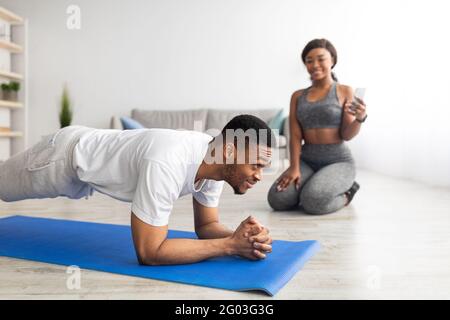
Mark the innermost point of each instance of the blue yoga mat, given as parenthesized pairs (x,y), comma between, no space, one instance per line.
(109,248)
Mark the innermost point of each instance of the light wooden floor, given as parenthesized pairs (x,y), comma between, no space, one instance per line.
(392,242)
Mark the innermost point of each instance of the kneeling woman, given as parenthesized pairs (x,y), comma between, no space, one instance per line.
(321,175)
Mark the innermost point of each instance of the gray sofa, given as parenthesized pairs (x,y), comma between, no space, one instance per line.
(210,121)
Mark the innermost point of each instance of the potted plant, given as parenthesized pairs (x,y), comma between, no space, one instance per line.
(5,91)
(14,88)
(65,114)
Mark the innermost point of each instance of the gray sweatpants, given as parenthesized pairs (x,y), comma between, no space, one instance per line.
(327,172)
(45,170)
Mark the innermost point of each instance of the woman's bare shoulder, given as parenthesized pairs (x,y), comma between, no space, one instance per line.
(345,89)
(298,93)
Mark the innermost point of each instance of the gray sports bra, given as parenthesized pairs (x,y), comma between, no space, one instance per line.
(324,113)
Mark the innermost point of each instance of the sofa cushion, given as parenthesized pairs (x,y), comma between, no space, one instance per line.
(129,124)
(276,123)
(217,119)
(115,123)
(176,119)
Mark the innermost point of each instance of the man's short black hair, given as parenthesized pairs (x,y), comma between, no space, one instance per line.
(247,122)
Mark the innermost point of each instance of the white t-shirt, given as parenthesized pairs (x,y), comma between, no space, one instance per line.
(149,167)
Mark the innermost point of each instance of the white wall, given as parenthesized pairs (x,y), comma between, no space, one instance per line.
(179,54)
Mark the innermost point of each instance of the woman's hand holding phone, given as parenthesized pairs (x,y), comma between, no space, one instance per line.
(357,107)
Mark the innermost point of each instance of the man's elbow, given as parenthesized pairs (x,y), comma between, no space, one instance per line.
(148,259)
(200,234)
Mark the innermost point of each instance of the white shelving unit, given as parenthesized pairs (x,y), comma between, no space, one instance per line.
(13,67)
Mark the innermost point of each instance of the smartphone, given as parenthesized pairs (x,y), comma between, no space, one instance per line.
(359,93)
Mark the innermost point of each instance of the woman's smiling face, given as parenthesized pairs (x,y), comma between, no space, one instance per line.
(319,63)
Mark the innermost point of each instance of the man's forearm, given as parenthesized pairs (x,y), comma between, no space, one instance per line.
(214,230)
(181,251)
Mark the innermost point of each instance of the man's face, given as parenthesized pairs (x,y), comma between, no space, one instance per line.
(242,176)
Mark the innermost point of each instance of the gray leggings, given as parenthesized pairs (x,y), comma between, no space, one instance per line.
(327,172)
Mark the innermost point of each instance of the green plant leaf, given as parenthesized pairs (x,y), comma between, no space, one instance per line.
(65,114)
